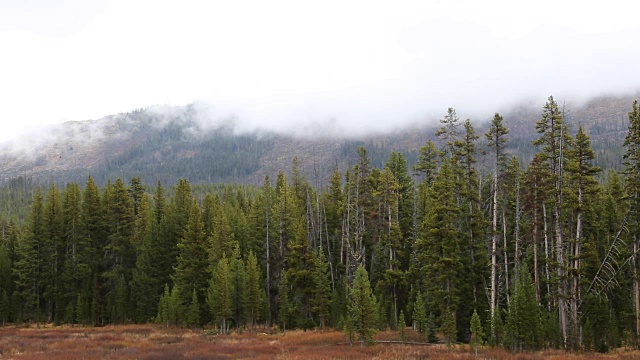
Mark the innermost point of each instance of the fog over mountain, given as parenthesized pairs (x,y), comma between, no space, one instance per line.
(298,67)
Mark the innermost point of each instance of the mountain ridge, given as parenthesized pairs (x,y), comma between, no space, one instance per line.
(166,143)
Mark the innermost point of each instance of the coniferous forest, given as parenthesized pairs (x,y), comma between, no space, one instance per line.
(524,256)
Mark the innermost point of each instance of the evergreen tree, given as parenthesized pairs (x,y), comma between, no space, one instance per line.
(119,258)
(254,290)
(477,333)
(523,317)
(192,270)
(30,263)
(420,320)
(402,327)
(553,142)
(581,175)
(168,307)
(239,293)
(497,143)
(362,307)
(284,307)
(220,294)
(632,187)
(448,327)
(438,250)
(193,313)
(321,288)
(94,233)
(53,252)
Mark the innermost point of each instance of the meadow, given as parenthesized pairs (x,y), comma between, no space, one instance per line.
(157,342)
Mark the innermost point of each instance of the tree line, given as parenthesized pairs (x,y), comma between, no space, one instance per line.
(524,257)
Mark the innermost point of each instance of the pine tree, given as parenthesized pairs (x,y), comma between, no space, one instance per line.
(31,259)
(222,240)
(146,283)
(192,269)
(254,290)
(168,307)
(284,306)
(420,317)
(497,143)
(321,288)
(523,317)
(553,141)
(449,132)
(136,191)
(239,293)
(402,327)
(438,250)
(632,186)
(54,251)
(94,234)
(119,252)
(193,312)
(448,327)
(362,307)
(581,175)
(220,294)
(477,333)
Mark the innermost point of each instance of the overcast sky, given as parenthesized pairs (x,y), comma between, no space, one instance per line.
(278,64)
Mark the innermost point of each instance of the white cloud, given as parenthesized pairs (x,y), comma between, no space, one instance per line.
(278,64)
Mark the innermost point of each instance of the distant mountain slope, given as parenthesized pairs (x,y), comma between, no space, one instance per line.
(166,143)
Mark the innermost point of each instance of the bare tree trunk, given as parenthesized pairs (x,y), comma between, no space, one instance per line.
(505,254)
(562,293)
(494,246)
(575,296)
(546,255)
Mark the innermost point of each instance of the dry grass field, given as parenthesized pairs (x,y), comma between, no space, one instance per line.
(156,342)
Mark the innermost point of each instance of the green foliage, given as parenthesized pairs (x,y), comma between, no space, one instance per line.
(296,253)
(420,317)
(255,293)
(192,269)
(448,327)
(284,306)
(322,288)
(402,327)
(477,332)
(193,312)
(169,307)
(363,307)
(523,317)
(220,294)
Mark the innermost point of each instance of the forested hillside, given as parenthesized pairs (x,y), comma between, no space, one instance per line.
(470,242)
(166,143)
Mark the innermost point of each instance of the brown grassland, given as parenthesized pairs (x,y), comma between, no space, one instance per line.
(157,342)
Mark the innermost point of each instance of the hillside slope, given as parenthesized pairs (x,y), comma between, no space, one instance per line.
(166,143)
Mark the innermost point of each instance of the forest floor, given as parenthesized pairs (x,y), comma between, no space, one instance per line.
(157,342)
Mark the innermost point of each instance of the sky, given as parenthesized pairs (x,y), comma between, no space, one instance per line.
(352,65)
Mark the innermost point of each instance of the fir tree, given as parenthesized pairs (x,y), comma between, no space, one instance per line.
(420,317)
(523,317)
(402,327)
(193,312)
(192,271)
(321,289)
(220,294)
(448,327)
(363,307)
(284,307)
(255,293)
(477,333)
